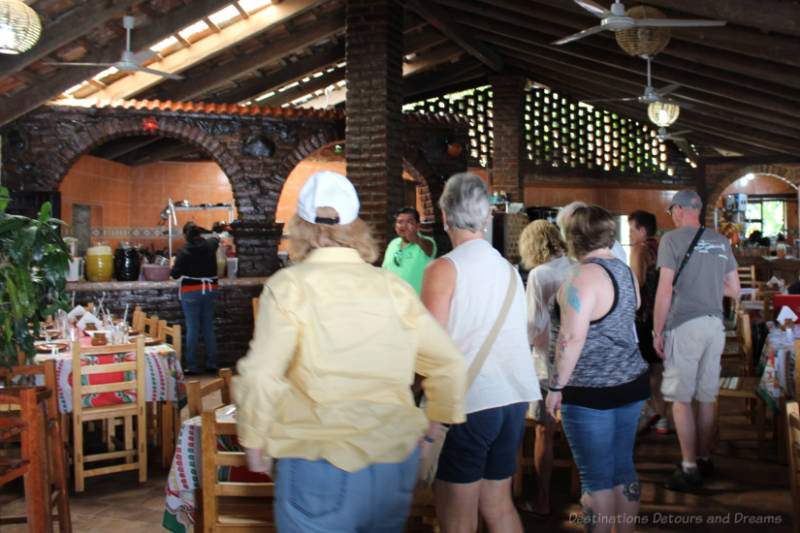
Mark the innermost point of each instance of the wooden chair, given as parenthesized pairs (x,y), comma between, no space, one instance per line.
(51,447)
(150,327)
(747,276)
(196,391)
(562,457)
(737,355)
(137,319)
(134,452)
(793,449)
(231,506)
(755,409)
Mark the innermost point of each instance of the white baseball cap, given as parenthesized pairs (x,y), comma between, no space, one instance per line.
(328,189)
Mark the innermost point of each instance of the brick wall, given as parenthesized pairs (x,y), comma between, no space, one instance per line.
(374,50)
(508,136)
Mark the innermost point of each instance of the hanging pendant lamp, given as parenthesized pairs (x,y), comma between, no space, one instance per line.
(19,27)
(663,114)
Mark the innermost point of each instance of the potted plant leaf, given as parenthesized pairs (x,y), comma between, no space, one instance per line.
(34,261)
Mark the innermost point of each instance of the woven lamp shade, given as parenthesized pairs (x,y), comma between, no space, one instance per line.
(641,40)
(19,27)
(663,114)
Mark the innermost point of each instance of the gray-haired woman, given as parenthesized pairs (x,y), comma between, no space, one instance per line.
(465,290)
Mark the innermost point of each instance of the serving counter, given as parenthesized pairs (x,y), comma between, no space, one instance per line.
(233,322)
(787,268)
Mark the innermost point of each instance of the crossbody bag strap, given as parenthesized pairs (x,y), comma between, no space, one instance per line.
(688,254)
(477,363)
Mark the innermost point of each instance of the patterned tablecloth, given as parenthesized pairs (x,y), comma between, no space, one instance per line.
(164,377)
(777,371)
(185,474)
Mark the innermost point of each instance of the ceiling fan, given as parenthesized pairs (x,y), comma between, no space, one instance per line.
(615,20)
(650,94)
(676,137)
(129,62)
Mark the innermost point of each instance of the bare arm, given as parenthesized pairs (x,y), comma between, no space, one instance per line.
(638,264)
(438,285)
(577,299)
(661,308)
(731,285)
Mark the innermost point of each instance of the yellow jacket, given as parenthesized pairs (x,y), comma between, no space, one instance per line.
(334,352)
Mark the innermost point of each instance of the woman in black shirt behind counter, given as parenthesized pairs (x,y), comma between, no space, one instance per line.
(196,269)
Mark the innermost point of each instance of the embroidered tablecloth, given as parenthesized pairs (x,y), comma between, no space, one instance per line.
(185,474)
(164,377)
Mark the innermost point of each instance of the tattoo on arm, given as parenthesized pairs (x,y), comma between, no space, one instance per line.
(554,379)
(562,342)
(572,298)
(632,491)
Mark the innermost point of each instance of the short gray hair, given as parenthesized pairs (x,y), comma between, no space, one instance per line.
(566,211)
(465,201)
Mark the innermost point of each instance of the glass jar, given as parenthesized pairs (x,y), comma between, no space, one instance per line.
(99,263)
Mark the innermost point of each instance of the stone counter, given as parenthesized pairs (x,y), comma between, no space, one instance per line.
(234,318)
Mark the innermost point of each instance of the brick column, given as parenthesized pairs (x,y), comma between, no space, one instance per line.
(508,102)
(374,124)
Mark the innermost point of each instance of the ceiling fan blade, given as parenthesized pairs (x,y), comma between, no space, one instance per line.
(68,64)
(159,73)
(579,35)
(594,100)
(142,56)
(594,8)
(684,146)
(667,89)
(677,23)
(680,132)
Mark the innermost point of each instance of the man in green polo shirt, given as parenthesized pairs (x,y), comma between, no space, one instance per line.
(409,253)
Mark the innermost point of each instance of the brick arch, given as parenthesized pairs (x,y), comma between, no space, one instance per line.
(789,175)
(88,138)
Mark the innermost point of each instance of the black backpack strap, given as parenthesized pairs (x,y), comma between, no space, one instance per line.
(688,254)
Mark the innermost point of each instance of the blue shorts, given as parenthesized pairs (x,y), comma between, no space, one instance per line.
(601,441)
(483,447)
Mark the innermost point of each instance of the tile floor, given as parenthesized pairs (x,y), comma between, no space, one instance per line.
(744,492)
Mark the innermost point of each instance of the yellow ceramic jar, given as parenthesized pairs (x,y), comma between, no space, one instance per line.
(99,263)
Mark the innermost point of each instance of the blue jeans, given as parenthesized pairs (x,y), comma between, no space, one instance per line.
(601,441)
(199,310)
(317,497)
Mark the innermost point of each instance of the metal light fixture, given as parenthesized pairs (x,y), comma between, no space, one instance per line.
(663,114)
(19,27)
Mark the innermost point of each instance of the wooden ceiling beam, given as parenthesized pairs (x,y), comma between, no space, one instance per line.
(114,150)
(301,38)
(319,59)
(436,80)
(495,33)
(208,47)
(765,15)
(547,24)
(72,24)
(170,148)
(441,21)
(702,88)
(143,37)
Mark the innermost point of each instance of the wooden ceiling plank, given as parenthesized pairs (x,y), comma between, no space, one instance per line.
(692,85)
(208,47)
(437,56)
(154,155)
(436,80)
(248,89)
(329,78)
(65,29)
(440,20)
(305,36)
(143,37)
(499,22)
(765,15)
(117,149)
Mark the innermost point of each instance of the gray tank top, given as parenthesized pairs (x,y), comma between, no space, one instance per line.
(610,355)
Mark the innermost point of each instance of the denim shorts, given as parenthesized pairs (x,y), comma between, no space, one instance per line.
(601,441)
(318,497)
(483,447)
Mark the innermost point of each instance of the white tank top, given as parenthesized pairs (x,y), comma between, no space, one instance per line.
(507,376)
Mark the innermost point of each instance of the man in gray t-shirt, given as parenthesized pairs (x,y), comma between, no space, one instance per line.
(688,332)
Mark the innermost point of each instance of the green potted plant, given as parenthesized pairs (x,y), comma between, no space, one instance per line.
(34,261)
